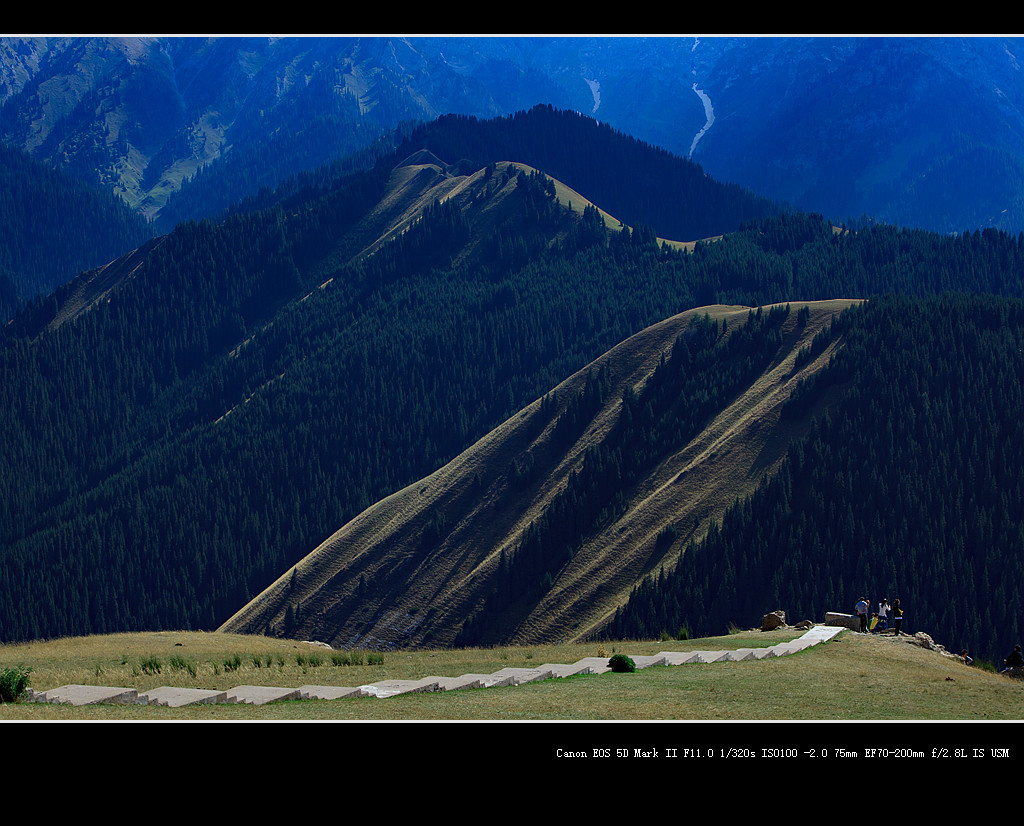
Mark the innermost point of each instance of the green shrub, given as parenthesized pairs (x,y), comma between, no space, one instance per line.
(621,664)
(13,682)
(233,663)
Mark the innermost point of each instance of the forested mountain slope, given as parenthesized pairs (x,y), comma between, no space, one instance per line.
(910,488)
(184,424)
(175,438)
(538,531)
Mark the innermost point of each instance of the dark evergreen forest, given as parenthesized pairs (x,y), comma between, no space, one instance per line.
(52,227)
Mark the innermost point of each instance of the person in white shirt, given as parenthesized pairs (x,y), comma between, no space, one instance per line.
(883,614)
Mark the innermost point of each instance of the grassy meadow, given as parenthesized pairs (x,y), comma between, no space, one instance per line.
(853,677)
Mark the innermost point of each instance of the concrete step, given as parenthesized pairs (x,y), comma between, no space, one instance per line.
(524,675)
(83,695)
(741,654)
(648,660)
(175,697)
(389,688)
(709,656)
(596,665)
(490,680)
(458,683)
(329,692)
(558,670)
(259,695)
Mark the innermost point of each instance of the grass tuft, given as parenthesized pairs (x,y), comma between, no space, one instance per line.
(150,665)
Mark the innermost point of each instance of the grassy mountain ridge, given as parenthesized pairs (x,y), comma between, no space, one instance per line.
(415,566)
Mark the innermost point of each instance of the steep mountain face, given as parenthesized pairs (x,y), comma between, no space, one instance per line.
(886,127)
(539,531)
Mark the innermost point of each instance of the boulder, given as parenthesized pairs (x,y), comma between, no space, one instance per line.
(925,641)
(776,619)
(850,621)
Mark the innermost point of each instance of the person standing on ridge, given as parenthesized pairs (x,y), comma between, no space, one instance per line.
(897,617)
(883,614)
(862,613)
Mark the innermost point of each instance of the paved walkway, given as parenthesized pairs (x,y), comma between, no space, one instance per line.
(258,695)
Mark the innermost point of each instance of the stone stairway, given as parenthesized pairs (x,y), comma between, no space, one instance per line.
(174,697)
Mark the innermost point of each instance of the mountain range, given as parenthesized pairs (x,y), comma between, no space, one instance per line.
(181,127)
(490,379)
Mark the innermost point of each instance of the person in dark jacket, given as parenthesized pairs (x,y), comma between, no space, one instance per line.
(1015,660)
(897,617)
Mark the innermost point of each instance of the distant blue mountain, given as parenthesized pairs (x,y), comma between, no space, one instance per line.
(920,131)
